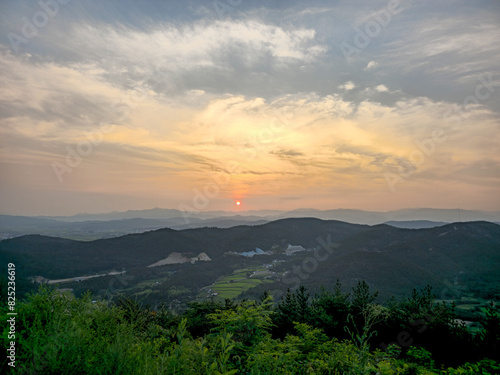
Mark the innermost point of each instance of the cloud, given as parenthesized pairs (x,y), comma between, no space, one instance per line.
(371,65)
(377,158)
(444,56)
(265,98)
(166,56)
(347,86)
(69,96)
(286,153)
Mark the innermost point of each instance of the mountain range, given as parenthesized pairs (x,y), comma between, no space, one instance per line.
(457,260)
(114,224)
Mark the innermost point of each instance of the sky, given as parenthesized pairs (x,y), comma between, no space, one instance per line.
(194,105)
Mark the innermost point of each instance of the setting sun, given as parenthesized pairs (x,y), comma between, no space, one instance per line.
(238,203)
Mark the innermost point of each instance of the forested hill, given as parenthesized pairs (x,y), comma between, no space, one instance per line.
(459,259)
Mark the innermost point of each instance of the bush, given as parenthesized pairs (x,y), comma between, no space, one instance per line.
(60,334)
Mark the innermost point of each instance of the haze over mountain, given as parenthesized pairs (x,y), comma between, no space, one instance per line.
(94,226)
(350,215)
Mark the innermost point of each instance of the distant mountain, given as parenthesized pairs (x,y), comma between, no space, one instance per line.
(161,213)
(15,226)
(221,222)
(446,215)
(415,224)
(10,221)
(457,258)
(348,215)
(154,213)
(410,214)
(113,224)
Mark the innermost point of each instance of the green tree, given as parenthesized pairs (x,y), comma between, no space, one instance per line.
(362,297)
(330,311)
(285,315)
(420,321)
(197,313)
(302,304)
(490,337)
(249,322)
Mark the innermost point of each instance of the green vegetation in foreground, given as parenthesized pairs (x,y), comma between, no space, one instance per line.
(330,333)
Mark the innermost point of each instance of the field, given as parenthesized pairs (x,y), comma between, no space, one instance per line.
(238,282)
(470,310)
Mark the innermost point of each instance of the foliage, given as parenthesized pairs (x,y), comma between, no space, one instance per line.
(294,307)
(420,356)
(490,337)
(60,334)
(330,311)
(247,324)
(420,321)
(198,312)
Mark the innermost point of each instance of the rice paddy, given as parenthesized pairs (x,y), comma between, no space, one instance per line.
(240,281)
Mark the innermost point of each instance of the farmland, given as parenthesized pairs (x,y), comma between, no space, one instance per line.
(239,281)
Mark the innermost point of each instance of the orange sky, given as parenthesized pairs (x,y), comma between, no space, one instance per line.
(200,113)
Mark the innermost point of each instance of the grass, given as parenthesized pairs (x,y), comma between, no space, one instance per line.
(466,307)
(176,291)
(233,285)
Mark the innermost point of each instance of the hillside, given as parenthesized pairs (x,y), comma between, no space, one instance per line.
(87,227)
(460,259)
(97,228)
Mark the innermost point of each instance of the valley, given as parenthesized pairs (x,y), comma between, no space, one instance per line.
(460,261)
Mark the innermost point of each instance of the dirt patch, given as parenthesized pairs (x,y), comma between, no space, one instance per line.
(177,258)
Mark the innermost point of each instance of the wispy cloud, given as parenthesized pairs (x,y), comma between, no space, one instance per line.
(263,97)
